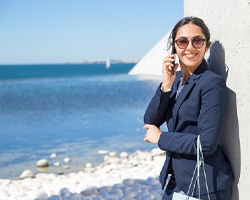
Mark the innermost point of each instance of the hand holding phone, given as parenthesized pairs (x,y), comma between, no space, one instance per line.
(174,62)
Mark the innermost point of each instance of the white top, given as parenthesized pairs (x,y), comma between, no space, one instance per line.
(180,86)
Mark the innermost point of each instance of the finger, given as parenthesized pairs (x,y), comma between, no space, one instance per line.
(176,66)
(146,126)
(169,63)
(170,70)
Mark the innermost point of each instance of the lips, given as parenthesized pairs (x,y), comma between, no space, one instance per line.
(190,55)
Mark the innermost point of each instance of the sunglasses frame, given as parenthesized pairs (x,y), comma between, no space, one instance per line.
(192,41)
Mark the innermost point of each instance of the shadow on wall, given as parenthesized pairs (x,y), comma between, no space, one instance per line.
(230,135)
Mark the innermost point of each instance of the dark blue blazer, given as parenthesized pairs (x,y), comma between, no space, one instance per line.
(200,108)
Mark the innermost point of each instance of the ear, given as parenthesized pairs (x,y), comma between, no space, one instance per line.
(208,45)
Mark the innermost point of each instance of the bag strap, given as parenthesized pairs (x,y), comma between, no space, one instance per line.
(200,162)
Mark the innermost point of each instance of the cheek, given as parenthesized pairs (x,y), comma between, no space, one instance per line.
(180,52)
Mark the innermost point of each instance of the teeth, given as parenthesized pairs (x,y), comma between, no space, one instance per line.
(190,55)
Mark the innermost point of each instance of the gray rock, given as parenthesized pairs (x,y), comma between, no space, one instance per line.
(128,182)
(55,197)
(65,193)
(89,192)
(104,189)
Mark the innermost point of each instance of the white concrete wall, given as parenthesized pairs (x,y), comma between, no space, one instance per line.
(229,24)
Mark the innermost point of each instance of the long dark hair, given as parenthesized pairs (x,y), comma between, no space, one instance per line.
(188,20)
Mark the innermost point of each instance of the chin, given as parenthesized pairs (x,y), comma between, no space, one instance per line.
(192,63)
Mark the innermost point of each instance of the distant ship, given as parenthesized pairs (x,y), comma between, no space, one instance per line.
(107,63)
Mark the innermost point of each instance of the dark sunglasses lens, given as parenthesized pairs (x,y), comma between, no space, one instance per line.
(182,43)
(197,42)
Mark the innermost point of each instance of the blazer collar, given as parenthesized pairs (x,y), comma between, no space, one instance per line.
(200,69)
(187,87)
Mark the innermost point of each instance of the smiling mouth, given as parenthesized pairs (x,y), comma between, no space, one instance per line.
(190,55)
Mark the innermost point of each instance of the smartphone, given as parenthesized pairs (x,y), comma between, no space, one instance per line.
(174,62)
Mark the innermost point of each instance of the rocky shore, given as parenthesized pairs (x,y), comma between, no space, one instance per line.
(120,177)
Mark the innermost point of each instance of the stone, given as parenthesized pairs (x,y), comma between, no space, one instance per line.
(53,155)
(42,196)
(88,165)
(5,182)
(102,152)
(41,176)
(123,155)
(64,192)
(56,164)
(66,160)
(104,189)
(152,181)
(112,154)
(42,163)
(26,174)
(55,197)
(113,179)
(157,152)
(128,181)
(90,191)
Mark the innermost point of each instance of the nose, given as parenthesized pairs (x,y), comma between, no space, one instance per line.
(190,45)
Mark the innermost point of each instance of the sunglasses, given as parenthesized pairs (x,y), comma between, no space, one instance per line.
(183,42)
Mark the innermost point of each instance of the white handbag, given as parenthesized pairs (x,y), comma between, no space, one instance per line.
(200,163)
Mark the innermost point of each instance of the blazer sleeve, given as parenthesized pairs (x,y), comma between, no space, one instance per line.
(210,120)
(156,110)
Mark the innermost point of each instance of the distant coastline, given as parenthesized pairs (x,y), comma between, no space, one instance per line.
(94,61)
(112,61)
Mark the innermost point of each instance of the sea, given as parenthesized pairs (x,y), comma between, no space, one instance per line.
(70,110)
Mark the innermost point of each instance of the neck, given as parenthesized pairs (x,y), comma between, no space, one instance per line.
(187,71)
(185,76)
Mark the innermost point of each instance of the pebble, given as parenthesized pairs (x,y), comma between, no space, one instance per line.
(137,178)
(102,152)
(56,164)
(26,174)
(66,159)
(53,155)
(42,163)
(123,155)
(88,165)
(112,154)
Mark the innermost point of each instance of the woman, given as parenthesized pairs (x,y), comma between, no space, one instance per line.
(192,102)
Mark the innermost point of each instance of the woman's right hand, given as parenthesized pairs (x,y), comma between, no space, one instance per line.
(168,72)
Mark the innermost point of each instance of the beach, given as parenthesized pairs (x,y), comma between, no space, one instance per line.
(123,176)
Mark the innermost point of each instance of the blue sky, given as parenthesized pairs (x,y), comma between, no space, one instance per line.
(58,31)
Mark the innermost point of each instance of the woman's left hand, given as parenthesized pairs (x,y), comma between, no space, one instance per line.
(153,133)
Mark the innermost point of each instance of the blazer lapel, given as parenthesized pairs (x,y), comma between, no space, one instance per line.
(172,101)
(187,89)
(175,85)
(181,97)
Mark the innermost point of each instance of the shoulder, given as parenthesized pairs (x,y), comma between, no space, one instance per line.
(212,85)
(211,78)
(203,75)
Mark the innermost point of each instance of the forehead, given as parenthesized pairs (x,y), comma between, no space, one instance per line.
(189,30)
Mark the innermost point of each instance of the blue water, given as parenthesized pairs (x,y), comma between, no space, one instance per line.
(70,110)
